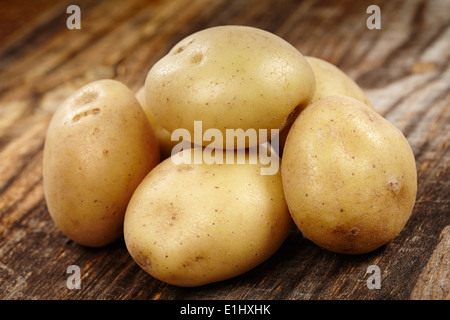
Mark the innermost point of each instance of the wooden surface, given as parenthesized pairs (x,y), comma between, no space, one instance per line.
(403,67)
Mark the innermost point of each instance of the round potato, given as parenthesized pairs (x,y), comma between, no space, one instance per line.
(99,146)
(193,224)
(229,77)
(330,81)
(349,176)
(164,137)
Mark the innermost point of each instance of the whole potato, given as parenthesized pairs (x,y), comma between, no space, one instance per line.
(229,77)
(331,81)
(349,176)
(164,137)
(193,224)
(99,146)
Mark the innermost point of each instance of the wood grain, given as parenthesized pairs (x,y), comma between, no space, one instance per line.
(433,281)
(403,67)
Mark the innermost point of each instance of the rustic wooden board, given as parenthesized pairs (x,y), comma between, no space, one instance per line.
(403,67)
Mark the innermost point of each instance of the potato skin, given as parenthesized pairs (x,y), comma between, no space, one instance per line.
(349,176)
(229,77)
(189,225)
(331,81)
(99,146)
(164,137)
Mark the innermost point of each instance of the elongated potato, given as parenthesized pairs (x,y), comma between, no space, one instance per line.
(193,224)
(349,176)
(99,146)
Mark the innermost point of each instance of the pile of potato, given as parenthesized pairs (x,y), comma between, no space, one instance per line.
(347,177)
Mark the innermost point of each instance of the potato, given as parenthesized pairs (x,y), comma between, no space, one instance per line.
(164,137)
(330,81)
(99,146)
(194,224)
(349,176)
(229,77)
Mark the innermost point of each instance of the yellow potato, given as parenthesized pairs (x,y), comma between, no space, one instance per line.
(330,81)
(164,137)
(99,146)
(229,77)
(349,176)
(193,224)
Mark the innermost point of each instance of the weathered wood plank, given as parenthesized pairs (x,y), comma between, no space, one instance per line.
(403,67)
(433,283)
